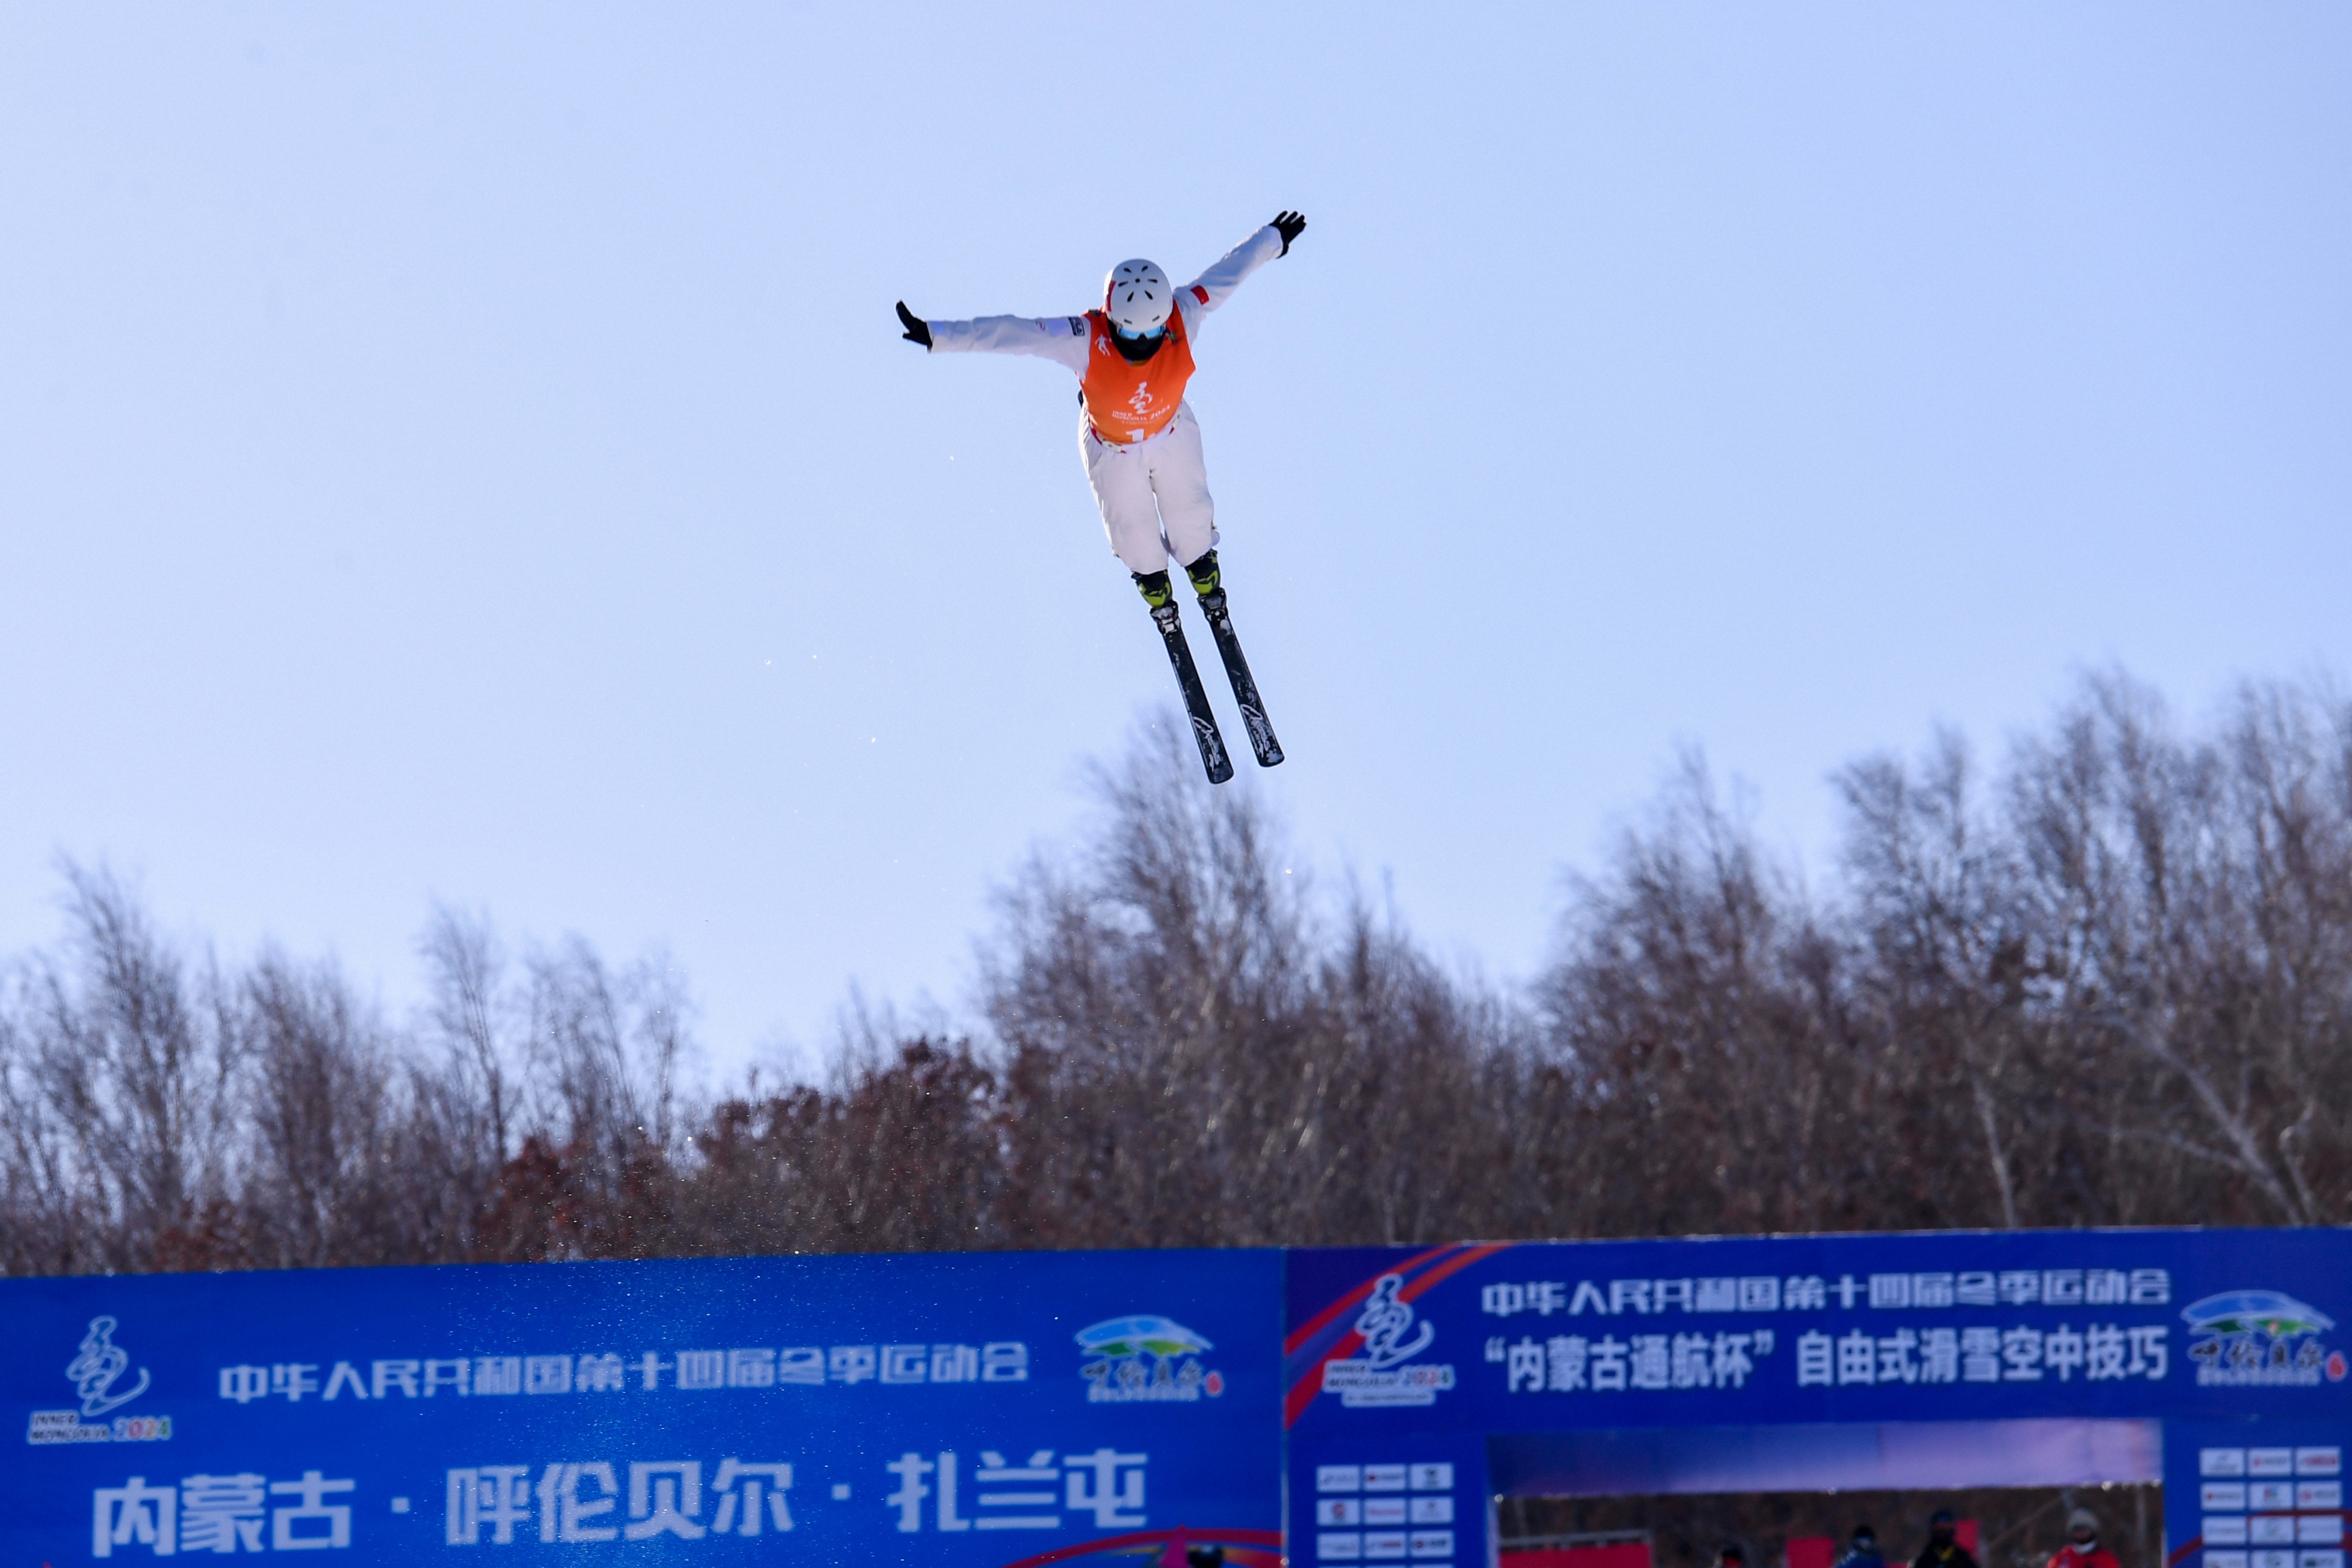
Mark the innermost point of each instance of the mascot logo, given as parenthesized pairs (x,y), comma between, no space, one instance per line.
(1146,1360)
(2259,1338)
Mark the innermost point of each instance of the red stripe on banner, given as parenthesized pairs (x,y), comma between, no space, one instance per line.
(1200,294)
(1302,1393)
(1415,1290)
(1152,1538)
(1316,1324)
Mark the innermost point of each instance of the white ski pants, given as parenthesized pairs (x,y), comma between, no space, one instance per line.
(1154,494)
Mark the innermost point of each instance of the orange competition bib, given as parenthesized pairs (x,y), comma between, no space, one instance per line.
(1126,403)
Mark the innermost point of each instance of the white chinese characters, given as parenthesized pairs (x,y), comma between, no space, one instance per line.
(1814,1292)
(241,1513)
(2100,1352)
(1573,1363)
(582,1502)
(758,1366)
(1107,1484)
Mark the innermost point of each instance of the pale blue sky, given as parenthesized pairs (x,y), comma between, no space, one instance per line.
(463,451)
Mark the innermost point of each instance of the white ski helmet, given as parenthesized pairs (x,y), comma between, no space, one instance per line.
(1137,298)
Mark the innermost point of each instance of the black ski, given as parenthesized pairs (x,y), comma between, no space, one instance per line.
(1229,648)
(1196,701)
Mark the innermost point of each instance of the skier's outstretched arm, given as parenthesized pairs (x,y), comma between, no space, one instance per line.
(1062,339)
(1216,286)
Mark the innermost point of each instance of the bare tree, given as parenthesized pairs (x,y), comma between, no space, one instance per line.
(139,1071)
(2108,982)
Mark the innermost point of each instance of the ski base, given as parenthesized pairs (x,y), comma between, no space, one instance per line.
(1229,648)
(1213,756)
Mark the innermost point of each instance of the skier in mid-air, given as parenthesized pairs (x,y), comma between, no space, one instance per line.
(1141,444)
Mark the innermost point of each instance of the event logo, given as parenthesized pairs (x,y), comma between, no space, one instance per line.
(2259,1338)
(1146,1360)
(98,1365)
(1380,1376)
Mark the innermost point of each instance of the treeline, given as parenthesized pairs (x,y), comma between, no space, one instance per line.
(2109,983)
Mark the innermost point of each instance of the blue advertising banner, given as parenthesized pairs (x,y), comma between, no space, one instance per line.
(980,1409)
(1013,1410)
(1455,1373)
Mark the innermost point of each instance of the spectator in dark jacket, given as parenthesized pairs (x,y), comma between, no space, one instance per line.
(1944,1549)
(1862,1551)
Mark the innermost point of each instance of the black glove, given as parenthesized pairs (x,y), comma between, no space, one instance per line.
(1289,225)
(918,330)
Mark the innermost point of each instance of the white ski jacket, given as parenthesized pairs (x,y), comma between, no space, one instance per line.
(1063,338)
